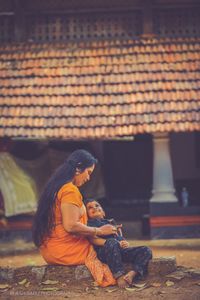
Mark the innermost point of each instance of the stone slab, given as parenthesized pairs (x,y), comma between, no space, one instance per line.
(162,266)
(157,266)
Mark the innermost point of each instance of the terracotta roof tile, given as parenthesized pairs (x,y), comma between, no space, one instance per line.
(100,89)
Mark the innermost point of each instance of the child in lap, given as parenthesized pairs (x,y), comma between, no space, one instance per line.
(114,249)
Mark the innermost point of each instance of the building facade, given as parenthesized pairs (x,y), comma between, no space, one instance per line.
(121,76)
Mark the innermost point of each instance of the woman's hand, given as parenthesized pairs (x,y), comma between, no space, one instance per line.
(106,230)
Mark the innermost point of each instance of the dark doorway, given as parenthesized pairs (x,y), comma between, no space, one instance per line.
(128,169)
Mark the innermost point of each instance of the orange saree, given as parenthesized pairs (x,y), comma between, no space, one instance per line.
(64,248)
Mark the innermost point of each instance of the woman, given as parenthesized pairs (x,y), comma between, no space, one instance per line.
(60,229)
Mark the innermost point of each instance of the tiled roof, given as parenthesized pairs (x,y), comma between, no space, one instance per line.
(100,89)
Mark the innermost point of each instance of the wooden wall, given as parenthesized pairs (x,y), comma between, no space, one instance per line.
(49,21)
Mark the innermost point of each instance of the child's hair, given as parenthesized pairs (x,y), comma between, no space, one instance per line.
(88,200)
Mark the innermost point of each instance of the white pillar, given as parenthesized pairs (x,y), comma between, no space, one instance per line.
(163,186)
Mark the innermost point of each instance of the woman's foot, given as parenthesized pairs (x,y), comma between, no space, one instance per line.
(121,282)
(129,277)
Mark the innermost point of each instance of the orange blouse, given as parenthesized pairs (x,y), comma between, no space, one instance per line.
(63,247)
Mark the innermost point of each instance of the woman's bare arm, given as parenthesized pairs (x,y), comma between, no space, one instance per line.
(70,219)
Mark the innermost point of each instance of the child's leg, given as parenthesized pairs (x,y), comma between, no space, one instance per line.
(110,254)
(139,257)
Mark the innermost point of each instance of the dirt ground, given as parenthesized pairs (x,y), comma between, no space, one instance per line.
(187,254)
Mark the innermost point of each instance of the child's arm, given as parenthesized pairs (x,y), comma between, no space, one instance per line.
(97,241)
(124,244)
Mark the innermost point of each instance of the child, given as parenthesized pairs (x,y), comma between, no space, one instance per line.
(114,249)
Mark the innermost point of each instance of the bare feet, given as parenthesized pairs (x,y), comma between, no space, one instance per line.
(129,277)
(121,282)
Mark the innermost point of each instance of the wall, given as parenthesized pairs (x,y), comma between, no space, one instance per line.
(184,163)
(183,156)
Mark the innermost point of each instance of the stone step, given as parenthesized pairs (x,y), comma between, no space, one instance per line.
(157,266)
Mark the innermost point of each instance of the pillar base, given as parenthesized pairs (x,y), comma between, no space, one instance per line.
(162,197)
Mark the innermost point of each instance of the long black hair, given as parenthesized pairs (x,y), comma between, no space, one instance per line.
(44,217)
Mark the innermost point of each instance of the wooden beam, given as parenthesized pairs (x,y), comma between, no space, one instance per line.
(72,11)
(9,13)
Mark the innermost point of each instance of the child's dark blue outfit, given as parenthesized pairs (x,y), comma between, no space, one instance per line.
(113,255)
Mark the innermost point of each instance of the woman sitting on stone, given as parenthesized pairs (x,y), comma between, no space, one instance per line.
(60,227)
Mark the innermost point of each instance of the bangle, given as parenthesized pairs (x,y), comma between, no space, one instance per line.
(95,231)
